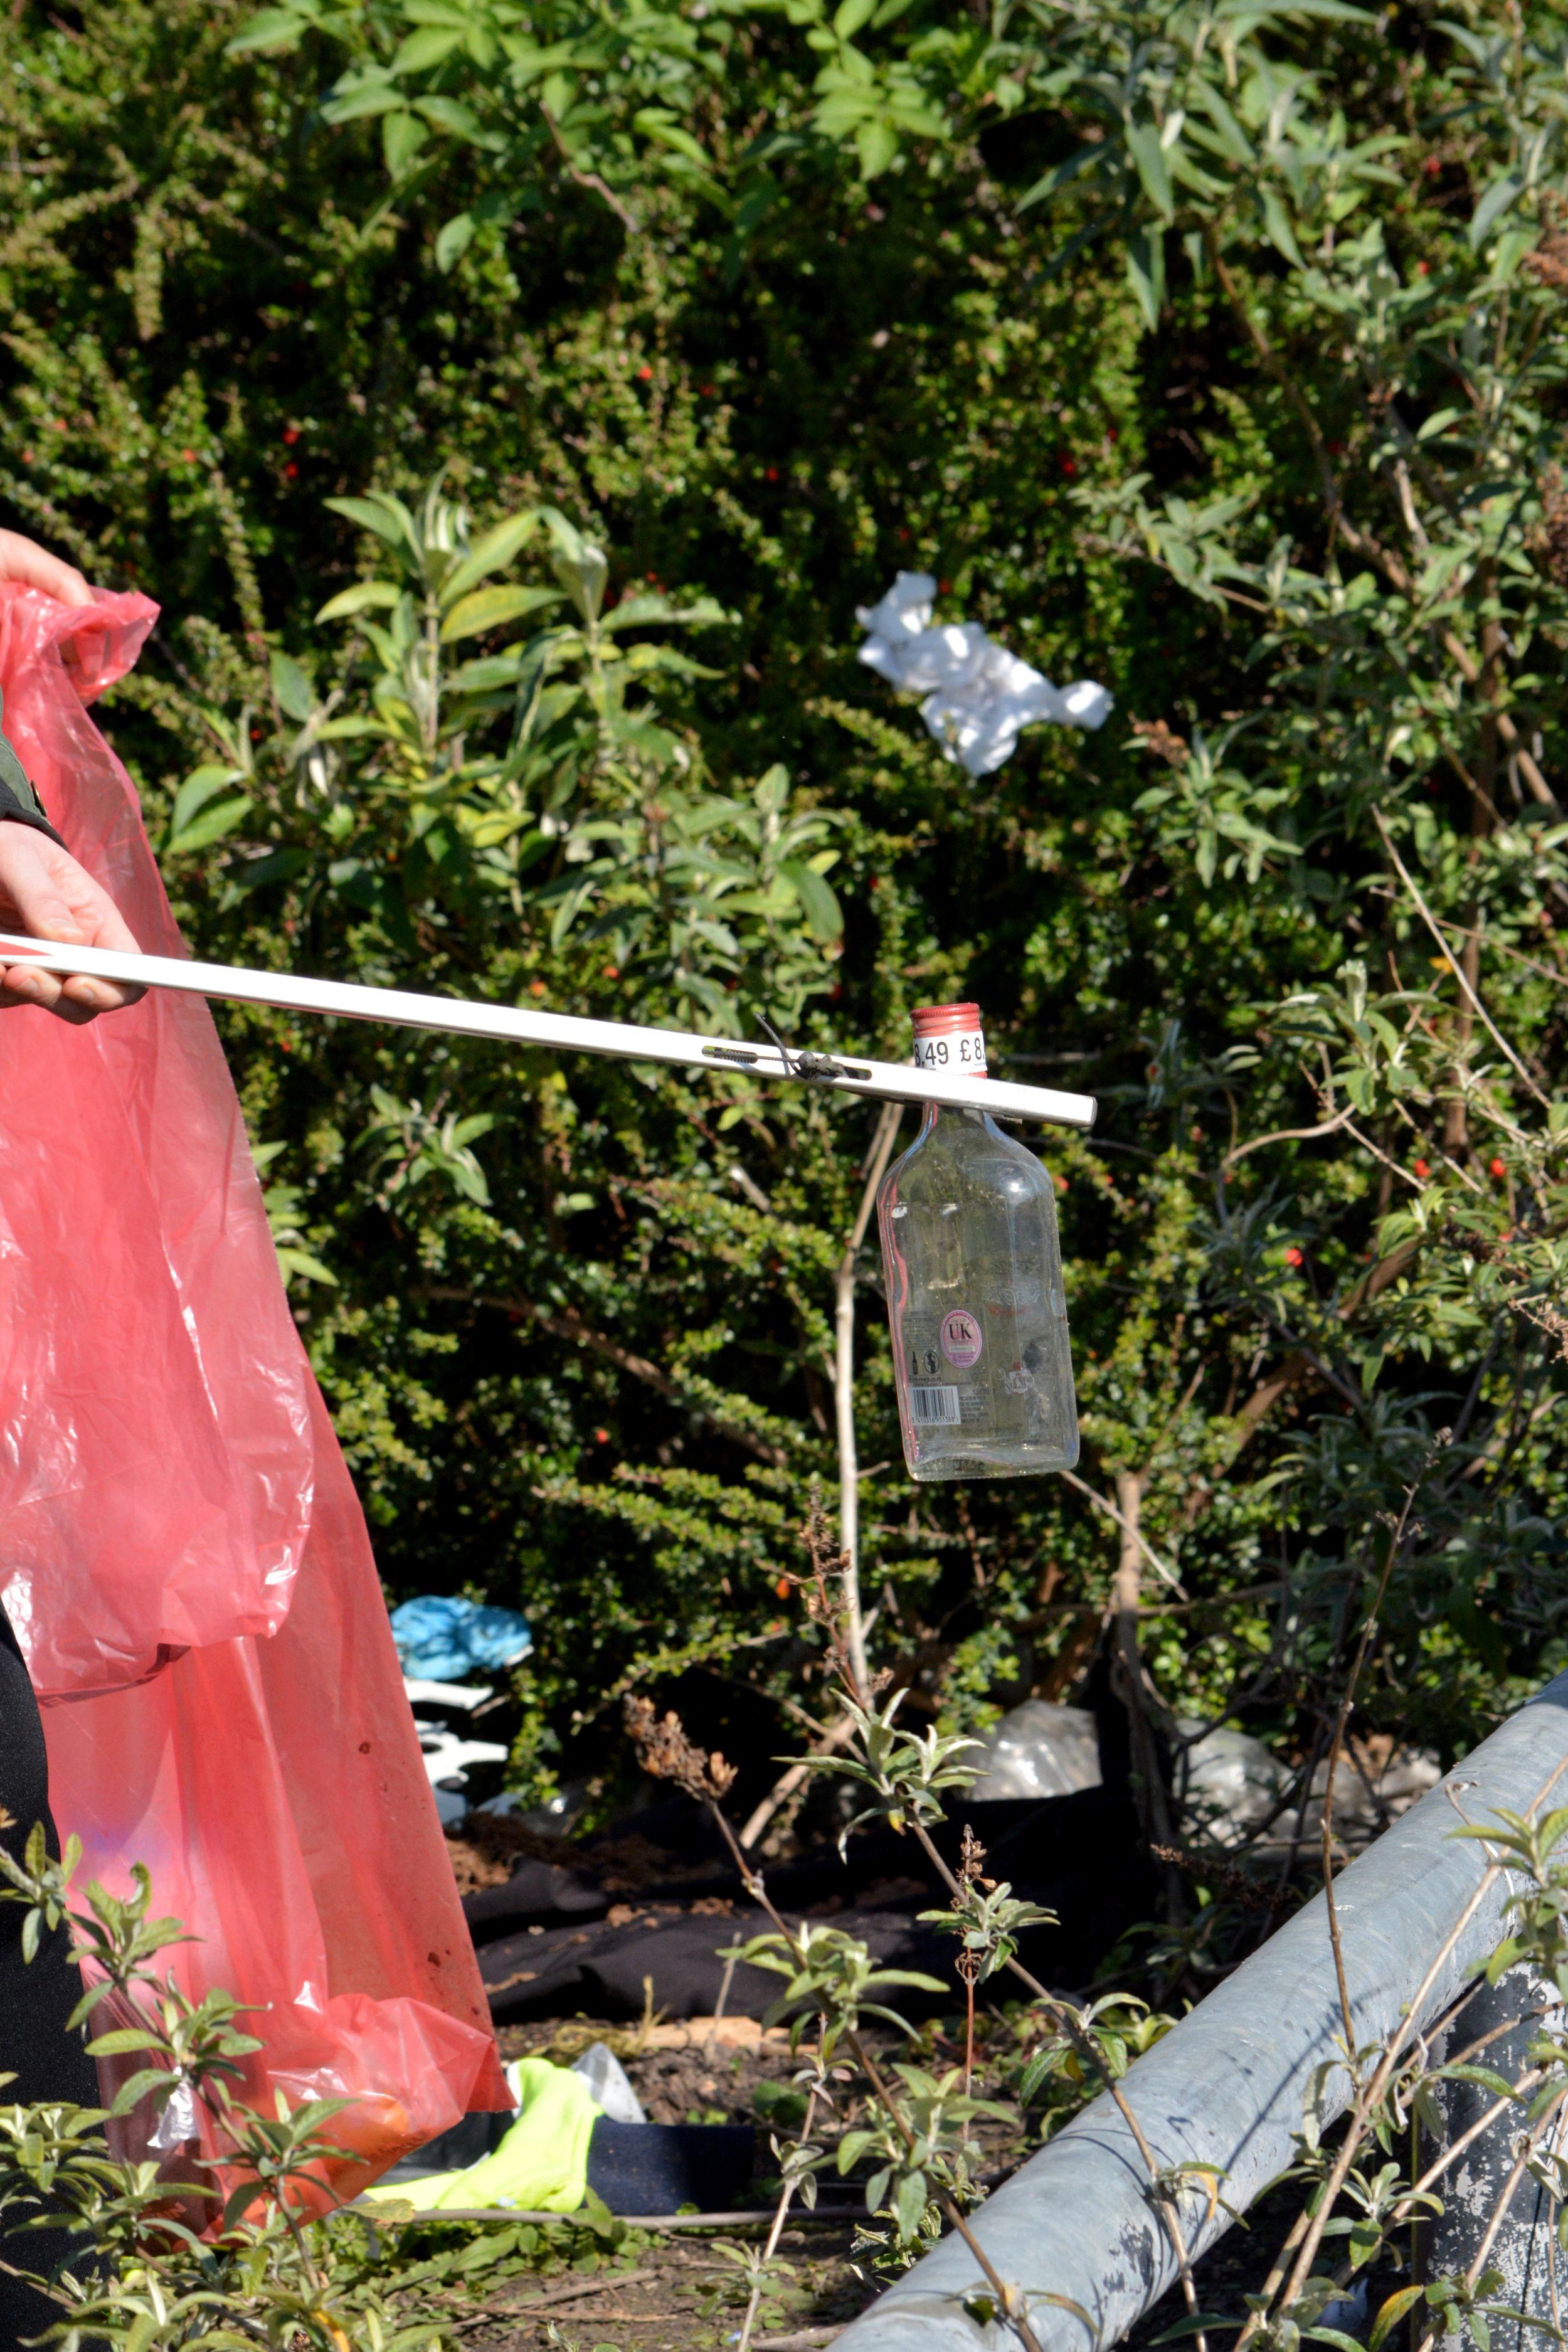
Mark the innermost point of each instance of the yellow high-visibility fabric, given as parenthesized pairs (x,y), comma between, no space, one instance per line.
(542,2165)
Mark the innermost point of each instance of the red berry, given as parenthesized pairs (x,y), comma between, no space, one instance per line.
(601,1437)
(771,473)
(1070,464)
(290,471)
(645,374)
(1498,1169)
(1292,1256)
(1422,1170)
(189,456)
(290,435)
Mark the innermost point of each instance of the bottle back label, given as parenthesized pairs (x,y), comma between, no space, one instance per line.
(933,1403)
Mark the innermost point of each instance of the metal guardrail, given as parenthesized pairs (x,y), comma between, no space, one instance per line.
(1227,2086)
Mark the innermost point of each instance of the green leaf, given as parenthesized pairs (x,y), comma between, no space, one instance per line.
(1230,136)
(270,28)
(492,608)
(454,240)
(639,659)
(198,790)
(876,145)
(294,1260)
(491,553)
(1281,236)
(1146,273)
(292,688)
(1153,171)
(449,114)
(643,609)
(220,817)
(364,596)
(424,48)
(911,2198)
(259,873)
(1487,2077)
(123,2038)
(656,123)
(135,2088)
(490,674)
(823,916)
(356,96)
(401,137)
(1491,207)
(388,519)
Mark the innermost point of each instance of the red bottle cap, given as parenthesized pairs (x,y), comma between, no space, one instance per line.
(950,1037)
(944,1020)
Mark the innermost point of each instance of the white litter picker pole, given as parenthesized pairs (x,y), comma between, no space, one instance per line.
(560,1033)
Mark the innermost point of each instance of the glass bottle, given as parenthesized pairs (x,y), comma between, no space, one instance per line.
(968,1224)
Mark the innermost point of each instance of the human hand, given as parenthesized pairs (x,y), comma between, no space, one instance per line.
(23,559)
(46,894)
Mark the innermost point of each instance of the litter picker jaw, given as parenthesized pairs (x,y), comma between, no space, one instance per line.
(845,1074)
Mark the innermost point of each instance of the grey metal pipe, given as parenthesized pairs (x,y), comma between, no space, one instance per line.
(1227,2086)
(1524,2247)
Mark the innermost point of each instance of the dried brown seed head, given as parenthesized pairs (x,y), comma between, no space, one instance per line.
(665,1751)
(1162,739)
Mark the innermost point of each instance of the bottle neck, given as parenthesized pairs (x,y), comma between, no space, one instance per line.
(945,1112)
(951,1041)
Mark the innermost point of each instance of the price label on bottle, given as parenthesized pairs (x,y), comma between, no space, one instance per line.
(963,1050)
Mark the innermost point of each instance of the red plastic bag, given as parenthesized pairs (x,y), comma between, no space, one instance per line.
(181,1549)
(156,1457)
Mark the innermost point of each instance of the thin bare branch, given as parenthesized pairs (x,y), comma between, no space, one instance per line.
(844,1392)
(1167,1575)
(1455,962)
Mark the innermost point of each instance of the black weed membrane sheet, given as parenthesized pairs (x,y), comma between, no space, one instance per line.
(648,1911)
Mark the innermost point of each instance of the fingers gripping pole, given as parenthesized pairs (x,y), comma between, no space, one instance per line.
(557,1032)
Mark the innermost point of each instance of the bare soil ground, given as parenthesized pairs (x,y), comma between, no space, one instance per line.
(652,2291)
(667,2292)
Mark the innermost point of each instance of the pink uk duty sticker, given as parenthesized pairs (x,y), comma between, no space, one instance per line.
(962,1340)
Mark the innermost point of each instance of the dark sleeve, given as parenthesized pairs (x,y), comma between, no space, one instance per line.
(19,803)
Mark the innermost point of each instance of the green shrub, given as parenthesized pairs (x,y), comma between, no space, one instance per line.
(1221,361)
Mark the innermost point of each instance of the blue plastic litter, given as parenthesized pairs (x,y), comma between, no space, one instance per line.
(445,1640)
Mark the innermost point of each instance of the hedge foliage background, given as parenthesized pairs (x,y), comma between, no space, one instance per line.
(1215,353)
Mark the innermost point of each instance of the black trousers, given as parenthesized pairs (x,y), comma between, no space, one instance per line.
(43,2058)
